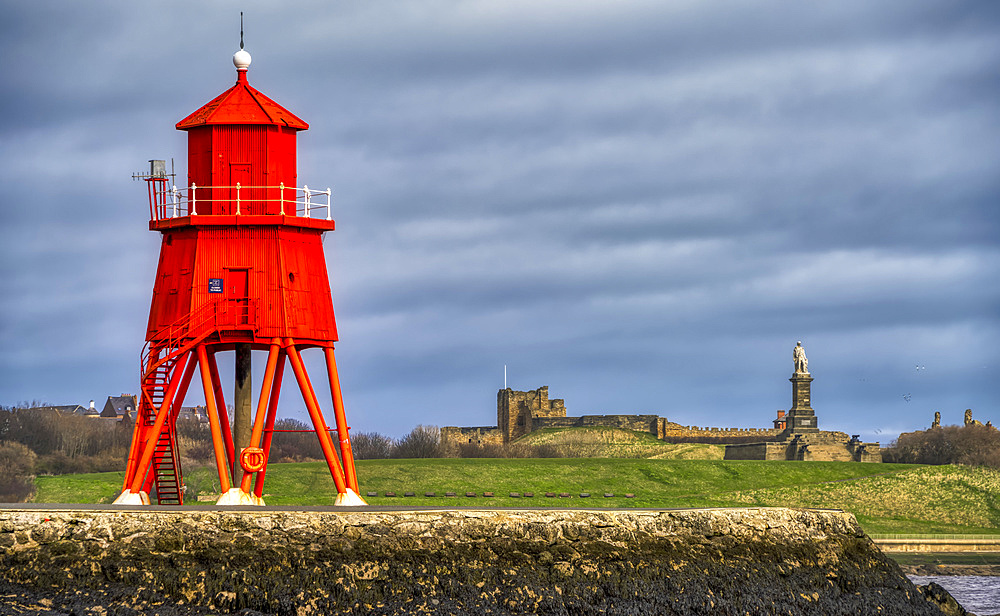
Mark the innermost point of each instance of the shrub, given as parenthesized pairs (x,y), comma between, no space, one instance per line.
(973,445)
(371,446)
(299,445)
(421,442)
(67,443)
(17,481)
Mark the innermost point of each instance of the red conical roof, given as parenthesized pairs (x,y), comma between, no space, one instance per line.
(242,104)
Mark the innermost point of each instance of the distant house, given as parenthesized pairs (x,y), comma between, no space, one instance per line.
(194,413)
(120,407)
(92,413)
(72,409)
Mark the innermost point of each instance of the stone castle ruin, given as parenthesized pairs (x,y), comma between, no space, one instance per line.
(795,435)
(521,412)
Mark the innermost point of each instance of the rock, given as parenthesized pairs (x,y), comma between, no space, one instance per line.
(940,597)
(475,561)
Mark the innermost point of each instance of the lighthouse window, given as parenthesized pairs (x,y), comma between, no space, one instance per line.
(291,277)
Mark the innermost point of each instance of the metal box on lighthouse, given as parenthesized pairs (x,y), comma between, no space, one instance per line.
(241,268)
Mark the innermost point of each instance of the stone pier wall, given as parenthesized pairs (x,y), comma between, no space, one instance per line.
(458,561)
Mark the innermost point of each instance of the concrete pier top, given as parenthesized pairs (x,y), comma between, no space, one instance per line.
(469,561)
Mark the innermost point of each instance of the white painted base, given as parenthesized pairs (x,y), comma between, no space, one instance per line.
(235,497)
(132,498)
(350,499)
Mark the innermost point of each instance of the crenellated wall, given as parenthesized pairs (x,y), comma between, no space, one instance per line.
(688,434)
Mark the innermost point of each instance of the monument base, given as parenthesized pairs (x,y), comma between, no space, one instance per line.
(801,418)
(813,446)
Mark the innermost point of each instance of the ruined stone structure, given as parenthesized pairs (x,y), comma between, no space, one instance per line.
(969,421)
(518,412)
(522,412)
(795,435)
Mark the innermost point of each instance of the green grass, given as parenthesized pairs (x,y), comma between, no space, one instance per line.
(83,488)
(608,442)
(886,498)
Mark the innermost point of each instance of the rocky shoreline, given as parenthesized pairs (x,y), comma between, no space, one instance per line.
(708,561)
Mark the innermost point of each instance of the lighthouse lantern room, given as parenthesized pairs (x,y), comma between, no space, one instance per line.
(241,269)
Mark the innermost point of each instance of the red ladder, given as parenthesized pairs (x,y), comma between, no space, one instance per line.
(167,469)
(166,464)
(158,364)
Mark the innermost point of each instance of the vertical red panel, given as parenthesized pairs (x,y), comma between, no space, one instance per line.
(172,288)
(200,163)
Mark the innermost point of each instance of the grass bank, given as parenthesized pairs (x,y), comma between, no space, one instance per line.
(607,442)
(886,498)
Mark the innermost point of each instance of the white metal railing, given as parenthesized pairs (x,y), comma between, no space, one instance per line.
(167,202)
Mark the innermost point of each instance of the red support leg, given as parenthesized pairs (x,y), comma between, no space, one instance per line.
(133,451)
(272,410)
(309,396)
(262,403)
(175,408)
(213,418)
(182,389)
(346,454)
(220,403)
(162,414)
(138,434)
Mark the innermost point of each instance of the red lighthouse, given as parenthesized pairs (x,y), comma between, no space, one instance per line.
(241,269)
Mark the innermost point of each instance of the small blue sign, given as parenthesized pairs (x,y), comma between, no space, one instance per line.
(215,285)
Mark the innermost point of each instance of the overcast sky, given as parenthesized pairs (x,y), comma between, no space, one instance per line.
(642,205)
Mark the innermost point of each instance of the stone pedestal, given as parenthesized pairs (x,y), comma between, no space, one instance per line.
(801,417)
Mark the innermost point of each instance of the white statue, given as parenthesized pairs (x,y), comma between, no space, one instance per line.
(799,358)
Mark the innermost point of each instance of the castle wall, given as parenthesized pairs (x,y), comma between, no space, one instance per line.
(757,451)
(695,434)
(826,453)
(639,423)
(554,422)
(453,436)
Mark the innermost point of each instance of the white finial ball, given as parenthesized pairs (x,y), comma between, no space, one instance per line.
(242,60)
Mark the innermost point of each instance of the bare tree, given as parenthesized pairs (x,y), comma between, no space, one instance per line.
(974,445)
(421,442)
(371,446)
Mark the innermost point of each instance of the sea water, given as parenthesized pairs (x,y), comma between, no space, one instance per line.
(979,594)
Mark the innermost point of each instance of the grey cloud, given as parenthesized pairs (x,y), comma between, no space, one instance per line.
(609,198)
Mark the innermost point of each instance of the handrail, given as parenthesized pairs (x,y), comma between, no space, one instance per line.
(166,202)
(196,325)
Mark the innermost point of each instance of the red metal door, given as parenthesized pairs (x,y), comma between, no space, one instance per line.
(238,295)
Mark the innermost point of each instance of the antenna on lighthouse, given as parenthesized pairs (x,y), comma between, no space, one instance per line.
(241,58)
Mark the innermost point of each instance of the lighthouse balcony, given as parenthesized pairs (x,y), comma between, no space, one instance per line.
(170,206)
